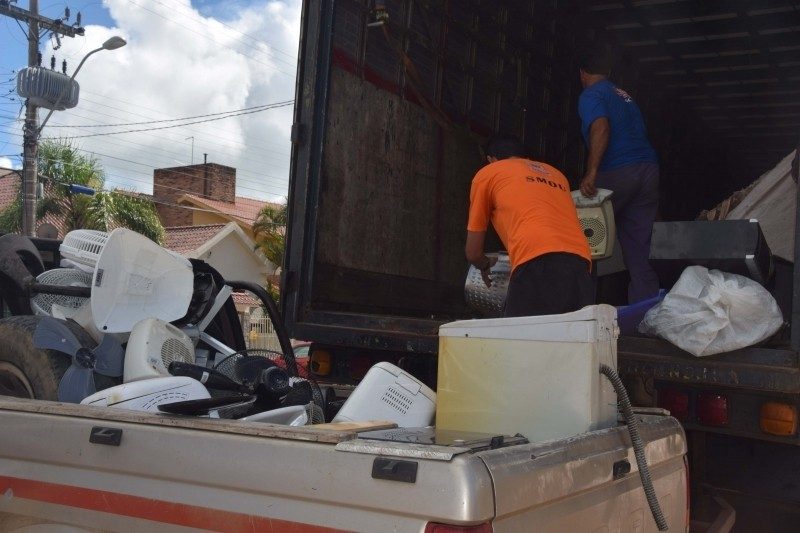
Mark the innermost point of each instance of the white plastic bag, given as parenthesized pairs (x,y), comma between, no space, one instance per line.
(709,312)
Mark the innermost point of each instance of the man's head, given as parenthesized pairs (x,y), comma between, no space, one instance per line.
(502,146)
(594,64)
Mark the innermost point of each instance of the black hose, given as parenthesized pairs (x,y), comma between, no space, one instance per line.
(277,321)
(638,445)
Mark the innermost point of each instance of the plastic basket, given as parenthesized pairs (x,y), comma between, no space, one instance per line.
(83,246)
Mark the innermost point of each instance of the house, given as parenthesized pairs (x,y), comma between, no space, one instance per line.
(200,195)
(226,247)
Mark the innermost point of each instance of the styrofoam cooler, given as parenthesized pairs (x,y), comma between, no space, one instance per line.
(538,376)
(387,392)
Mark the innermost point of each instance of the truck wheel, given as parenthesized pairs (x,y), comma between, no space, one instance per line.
(30,372)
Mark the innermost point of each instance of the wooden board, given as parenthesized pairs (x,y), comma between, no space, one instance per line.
(328,433)
(370,425)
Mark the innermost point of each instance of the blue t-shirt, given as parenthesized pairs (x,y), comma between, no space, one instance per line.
(628,142)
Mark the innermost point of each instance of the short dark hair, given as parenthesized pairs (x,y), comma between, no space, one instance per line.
(596,61)
(503,146)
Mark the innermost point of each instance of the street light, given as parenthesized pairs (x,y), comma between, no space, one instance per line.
(31,140)
(111,44)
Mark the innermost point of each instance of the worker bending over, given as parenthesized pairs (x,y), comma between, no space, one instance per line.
(530,207)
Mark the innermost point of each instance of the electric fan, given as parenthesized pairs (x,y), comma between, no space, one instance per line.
(596,216)
(42,303)
(245,367)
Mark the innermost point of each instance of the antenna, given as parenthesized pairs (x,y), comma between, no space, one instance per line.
(191,161)
(64,66)
(52,62)
(66,13)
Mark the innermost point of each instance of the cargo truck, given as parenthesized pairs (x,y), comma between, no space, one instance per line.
(394,100)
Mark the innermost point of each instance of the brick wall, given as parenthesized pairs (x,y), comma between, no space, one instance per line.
(210,180)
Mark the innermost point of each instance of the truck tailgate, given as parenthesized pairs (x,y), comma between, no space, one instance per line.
(590,482)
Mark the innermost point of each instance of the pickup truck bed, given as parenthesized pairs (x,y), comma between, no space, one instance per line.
(170,473)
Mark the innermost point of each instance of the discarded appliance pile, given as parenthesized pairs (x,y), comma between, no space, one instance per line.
(138,322)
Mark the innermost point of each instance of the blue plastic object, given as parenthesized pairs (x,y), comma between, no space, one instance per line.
(629,316)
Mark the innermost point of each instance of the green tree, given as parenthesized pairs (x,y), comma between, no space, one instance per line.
(60,165)
(269,230)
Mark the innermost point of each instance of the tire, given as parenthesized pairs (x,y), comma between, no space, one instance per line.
(30,372)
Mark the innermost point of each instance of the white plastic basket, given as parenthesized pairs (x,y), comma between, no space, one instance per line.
(83,246)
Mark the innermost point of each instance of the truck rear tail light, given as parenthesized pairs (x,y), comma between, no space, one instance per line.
(674,401)
(778,418)
(712,409)
(433,527)
(320,362)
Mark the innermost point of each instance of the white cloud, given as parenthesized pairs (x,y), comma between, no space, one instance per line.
(9,163)
(180,63)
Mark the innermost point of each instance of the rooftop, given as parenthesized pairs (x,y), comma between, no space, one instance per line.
(185,239)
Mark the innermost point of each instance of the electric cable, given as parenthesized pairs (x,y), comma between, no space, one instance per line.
(269,106)
(638,445)
(185,124)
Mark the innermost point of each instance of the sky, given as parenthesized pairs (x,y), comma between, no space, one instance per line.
(183,59)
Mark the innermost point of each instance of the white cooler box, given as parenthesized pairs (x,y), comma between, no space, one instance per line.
(538,376)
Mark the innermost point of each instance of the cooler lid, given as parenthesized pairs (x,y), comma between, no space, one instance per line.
(591,324)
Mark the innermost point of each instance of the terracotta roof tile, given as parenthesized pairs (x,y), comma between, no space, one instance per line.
(244,209)
(186,239)
(245,298)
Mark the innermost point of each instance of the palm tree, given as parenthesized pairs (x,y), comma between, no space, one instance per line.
(269,230)
(60,165)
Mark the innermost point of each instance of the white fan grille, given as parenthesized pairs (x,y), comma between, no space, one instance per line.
(83,246)
(175,350)
(42,303)
(595,231)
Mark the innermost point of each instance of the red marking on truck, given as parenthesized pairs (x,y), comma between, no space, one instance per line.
(150,509)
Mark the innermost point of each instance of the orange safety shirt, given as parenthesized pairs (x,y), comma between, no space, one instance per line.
(530,206)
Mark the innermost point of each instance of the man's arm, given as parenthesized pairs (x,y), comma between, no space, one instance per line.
(474,252)
(599,134)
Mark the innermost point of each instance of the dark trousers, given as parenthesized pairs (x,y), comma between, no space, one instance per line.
(635,204)
(550,284)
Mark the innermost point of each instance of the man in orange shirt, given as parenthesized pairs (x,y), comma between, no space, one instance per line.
(530,206)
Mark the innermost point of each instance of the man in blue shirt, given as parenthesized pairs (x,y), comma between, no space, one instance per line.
(620,159)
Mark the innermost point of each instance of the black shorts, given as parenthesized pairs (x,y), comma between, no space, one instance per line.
(550,284)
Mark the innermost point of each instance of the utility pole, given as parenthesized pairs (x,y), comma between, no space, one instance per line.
(30,166)
(31,128)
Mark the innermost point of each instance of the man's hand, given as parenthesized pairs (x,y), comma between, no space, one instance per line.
(490,262)
(588,188)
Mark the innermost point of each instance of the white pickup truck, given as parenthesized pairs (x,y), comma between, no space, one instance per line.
(107,469)
(71,467)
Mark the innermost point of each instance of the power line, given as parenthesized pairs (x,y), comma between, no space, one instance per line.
(212,40)
(293,57)
(148,181)
(242,172)
(198,133)
(267,106)
(290,102)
